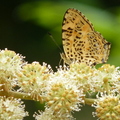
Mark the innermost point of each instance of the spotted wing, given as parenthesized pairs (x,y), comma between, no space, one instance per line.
(80,42)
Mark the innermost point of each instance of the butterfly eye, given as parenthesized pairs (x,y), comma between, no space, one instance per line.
(103,61)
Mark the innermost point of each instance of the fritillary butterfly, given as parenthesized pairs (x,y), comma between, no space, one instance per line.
(81,43)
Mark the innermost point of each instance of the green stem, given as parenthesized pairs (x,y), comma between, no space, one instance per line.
(20,95)
(89,101)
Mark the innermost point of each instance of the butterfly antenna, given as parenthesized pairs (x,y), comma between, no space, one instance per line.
(54,41)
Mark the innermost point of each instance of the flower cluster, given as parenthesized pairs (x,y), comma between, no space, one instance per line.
(63,95)
(107,107)
(11,109)
(32,78)
(63,91)
(10,65)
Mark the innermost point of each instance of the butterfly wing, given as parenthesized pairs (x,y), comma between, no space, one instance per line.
(80,42)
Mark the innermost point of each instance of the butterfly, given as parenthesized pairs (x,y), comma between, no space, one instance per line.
(81,43)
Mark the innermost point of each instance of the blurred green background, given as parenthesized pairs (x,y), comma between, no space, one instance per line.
(24,27)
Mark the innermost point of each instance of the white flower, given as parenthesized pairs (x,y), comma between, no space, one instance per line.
(107,107)
(63,95)
(10,66)
(11,109)
(32,78)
